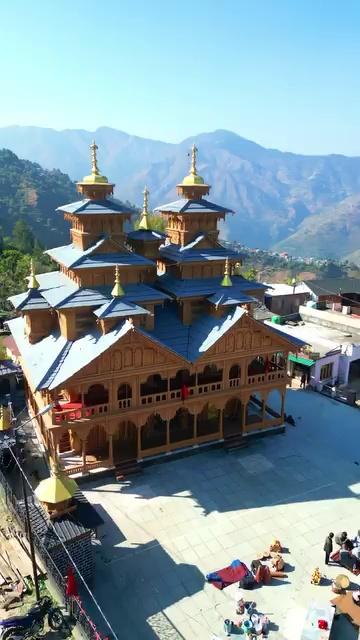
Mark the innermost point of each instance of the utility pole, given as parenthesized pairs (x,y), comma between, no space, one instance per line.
(30,536)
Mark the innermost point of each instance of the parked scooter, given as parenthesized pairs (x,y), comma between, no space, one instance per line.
(31,623)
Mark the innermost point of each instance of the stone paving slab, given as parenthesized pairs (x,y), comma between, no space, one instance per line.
(182,519)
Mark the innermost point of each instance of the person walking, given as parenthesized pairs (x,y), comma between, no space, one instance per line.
(328,546)
(303,381)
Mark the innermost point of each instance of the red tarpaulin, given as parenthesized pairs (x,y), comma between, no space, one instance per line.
(71,586)
(184,392)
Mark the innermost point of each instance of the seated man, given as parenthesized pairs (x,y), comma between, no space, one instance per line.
(350,562)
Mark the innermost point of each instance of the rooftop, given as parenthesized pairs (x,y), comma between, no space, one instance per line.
(333,286)
(207,286)
(322,339)
(95,207)
(285,289)
(72,257)
(190,252)
(185,205)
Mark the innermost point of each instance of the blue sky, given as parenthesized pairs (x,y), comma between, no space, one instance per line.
(284,73)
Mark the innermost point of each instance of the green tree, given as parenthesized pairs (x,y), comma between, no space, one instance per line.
(250,273)
(22,237)
(155,222)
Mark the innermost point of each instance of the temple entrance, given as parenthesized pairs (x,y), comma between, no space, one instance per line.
(208,421)
(232,418)
(254,409)
(182,426)
(153,432)
(97,444)
(125,442)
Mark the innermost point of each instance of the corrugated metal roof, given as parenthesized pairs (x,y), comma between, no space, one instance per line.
(96,207)
(333,286)
(67,527)
(120,308)
(8,367)
(185,205)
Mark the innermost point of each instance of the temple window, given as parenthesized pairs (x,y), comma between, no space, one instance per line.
(182,377)
(210,374)
(235,372)
(124,392)
(96,394)
(257,366)
(154,384)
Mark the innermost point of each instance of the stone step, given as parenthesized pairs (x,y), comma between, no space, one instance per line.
(127,468)
(237,441)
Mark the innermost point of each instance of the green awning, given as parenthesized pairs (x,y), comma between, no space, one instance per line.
(299,360)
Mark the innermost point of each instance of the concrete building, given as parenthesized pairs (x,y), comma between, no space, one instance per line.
(284,299)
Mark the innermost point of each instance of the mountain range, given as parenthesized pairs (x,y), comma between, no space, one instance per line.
(306,205)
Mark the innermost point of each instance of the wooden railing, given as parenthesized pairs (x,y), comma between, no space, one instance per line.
(69,415)
(89,466)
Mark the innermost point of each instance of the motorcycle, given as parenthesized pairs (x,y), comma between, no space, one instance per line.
(31,623)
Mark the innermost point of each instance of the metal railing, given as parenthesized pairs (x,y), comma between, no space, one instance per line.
(74,604)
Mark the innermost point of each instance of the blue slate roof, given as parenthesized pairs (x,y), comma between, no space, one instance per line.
(101,260)
(95,207)
(60,291)
(54,359)
(223,300)
(206,286)
(185,205)
(120,308)
(190,342)
(176,253)
(146,235)
(30,300)
(74,258)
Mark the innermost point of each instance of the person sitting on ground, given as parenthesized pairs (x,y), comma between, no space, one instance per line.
(356,597)
(350,562)
(348,545)
(277,562)
(340,538)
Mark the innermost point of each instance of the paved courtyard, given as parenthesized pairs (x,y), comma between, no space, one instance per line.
(168,527)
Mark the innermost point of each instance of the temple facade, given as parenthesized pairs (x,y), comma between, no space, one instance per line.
(145,342)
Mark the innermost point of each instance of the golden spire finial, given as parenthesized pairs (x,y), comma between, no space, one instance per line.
(32,281)
(144,220)
(94,166)
(117,290)
(194,151)
(226,281)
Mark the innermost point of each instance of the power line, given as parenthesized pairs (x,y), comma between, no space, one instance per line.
(66,551)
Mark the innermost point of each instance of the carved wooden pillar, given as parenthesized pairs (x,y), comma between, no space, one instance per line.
(243,415)
(138,442)
(222,423)
(136,392)
(83,453)
(282,404)
(111,450)
(167,432)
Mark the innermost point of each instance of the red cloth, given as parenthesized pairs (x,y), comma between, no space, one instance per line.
(71,586)
(229,575)
(184,392)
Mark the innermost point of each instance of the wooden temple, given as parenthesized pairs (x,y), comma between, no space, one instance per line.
(145,342)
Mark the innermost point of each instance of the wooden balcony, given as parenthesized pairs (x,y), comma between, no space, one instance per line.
(77,412)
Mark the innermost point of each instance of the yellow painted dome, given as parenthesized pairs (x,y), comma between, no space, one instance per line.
(57,488)
(193,178)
